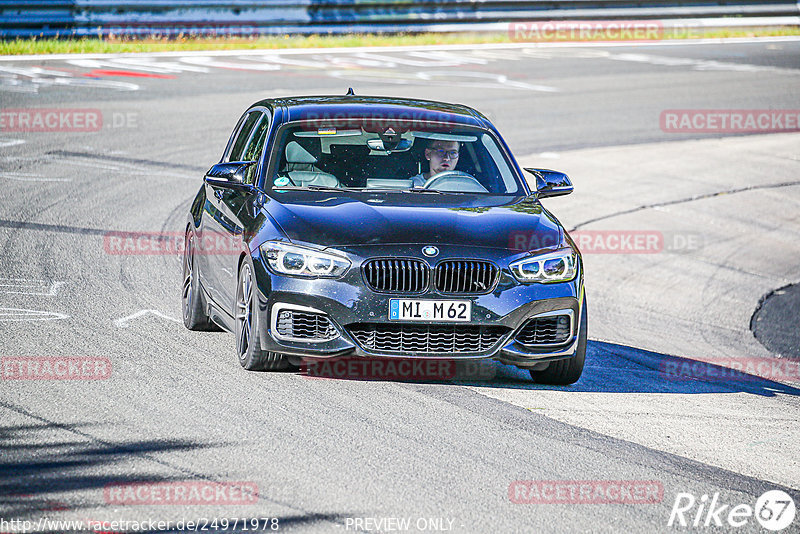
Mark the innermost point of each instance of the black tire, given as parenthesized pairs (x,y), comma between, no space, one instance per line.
(248,346)
(194,315)
(565,372)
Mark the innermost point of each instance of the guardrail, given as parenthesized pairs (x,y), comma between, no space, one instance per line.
(238,17)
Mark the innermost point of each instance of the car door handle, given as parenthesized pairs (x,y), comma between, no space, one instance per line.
(218,193)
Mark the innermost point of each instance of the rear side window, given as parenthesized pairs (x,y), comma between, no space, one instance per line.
(243,136)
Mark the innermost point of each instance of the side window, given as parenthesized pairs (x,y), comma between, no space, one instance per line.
(243,136)
(233,137)
(255,147)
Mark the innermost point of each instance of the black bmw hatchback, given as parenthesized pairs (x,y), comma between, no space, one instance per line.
(370,227)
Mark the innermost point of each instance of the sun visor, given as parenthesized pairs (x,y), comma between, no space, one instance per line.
(328,132)
(434,136)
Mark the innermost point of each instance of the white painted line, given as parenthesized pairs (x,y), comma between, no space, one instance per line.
(11,142)
(445,57)
(462,78)
(168,66)
(495,55)
(122,322)
(17,314)
(211,62)
(455,47)
(27,177)
(34,72)
(697,64)
(143,63)
(13,85)
(34,77)
(121,167)
(97,165)
(272,58)
(42,288)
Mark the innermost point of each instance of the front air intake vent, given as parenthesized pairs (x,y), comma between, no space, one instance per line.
(426,338)
(550,330)
(304,325)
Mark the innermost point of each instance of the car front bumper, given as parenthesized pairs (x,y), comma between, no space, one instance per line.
(348,301)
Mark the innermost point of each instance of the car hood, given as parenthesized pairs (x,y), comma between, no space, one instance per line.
(330,219)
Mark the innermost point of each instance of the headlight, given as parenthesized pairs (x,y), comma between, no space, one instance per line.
(558,266)
(292,260)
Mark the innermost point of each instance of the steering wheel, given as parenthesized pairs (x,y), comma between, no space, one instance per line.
(459,175)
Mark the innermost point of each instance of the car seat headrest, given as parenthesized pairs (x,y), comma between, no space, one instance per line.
(297,154)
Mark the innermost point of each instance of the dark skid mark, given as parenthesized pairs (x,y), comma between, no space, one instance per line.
(775,323)
(683,201)
(23,225)
(121,159)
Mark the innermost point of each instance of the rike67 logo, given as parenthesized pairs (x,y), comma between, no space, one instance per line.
(774,510)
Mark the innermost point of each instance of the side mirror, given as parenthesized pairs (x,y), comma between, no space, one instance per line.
(228,174)
(551,183)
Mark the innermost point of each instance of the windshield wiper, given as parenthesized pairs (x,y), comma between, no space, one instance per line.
(317,188)
(434,191)
(358,189)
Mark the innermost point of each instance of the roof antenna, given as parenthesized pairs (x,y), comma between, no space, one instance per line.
(350,92)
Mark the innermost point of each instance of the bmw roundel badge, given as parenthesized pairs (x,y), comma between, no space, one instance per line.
(430,251)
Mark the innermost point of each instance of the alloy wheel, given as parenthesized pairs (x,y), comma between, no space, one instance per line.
(244,312)
(188,279)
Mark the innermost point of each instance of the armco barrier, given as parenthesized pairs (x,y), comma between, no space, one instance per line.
(251,17)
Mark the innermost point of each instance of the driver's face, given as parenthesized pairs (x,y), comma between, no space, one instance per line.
(440,154)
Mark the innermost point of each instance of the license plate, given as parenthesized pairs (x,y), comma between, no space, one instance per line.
(430,310)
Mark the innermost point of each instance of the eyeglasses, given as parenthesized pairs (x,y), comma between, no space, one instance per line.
(442,153)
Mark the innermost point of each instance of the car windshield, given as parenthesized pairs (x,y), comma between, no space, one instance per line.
(371,155)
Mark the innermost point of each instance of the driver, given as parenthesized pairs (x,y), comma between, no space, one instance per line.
(442,155)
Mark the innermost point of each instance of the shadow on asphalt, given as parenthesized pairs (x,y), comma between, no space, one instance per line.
(34,464)
(613,368)
(610,368)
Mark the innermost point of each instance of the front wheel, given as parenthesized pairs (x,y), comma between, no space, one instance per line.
(248,347)
(565,372)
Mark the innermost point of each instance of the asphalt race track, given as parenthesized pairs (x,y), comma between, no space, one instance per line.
(331,455)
